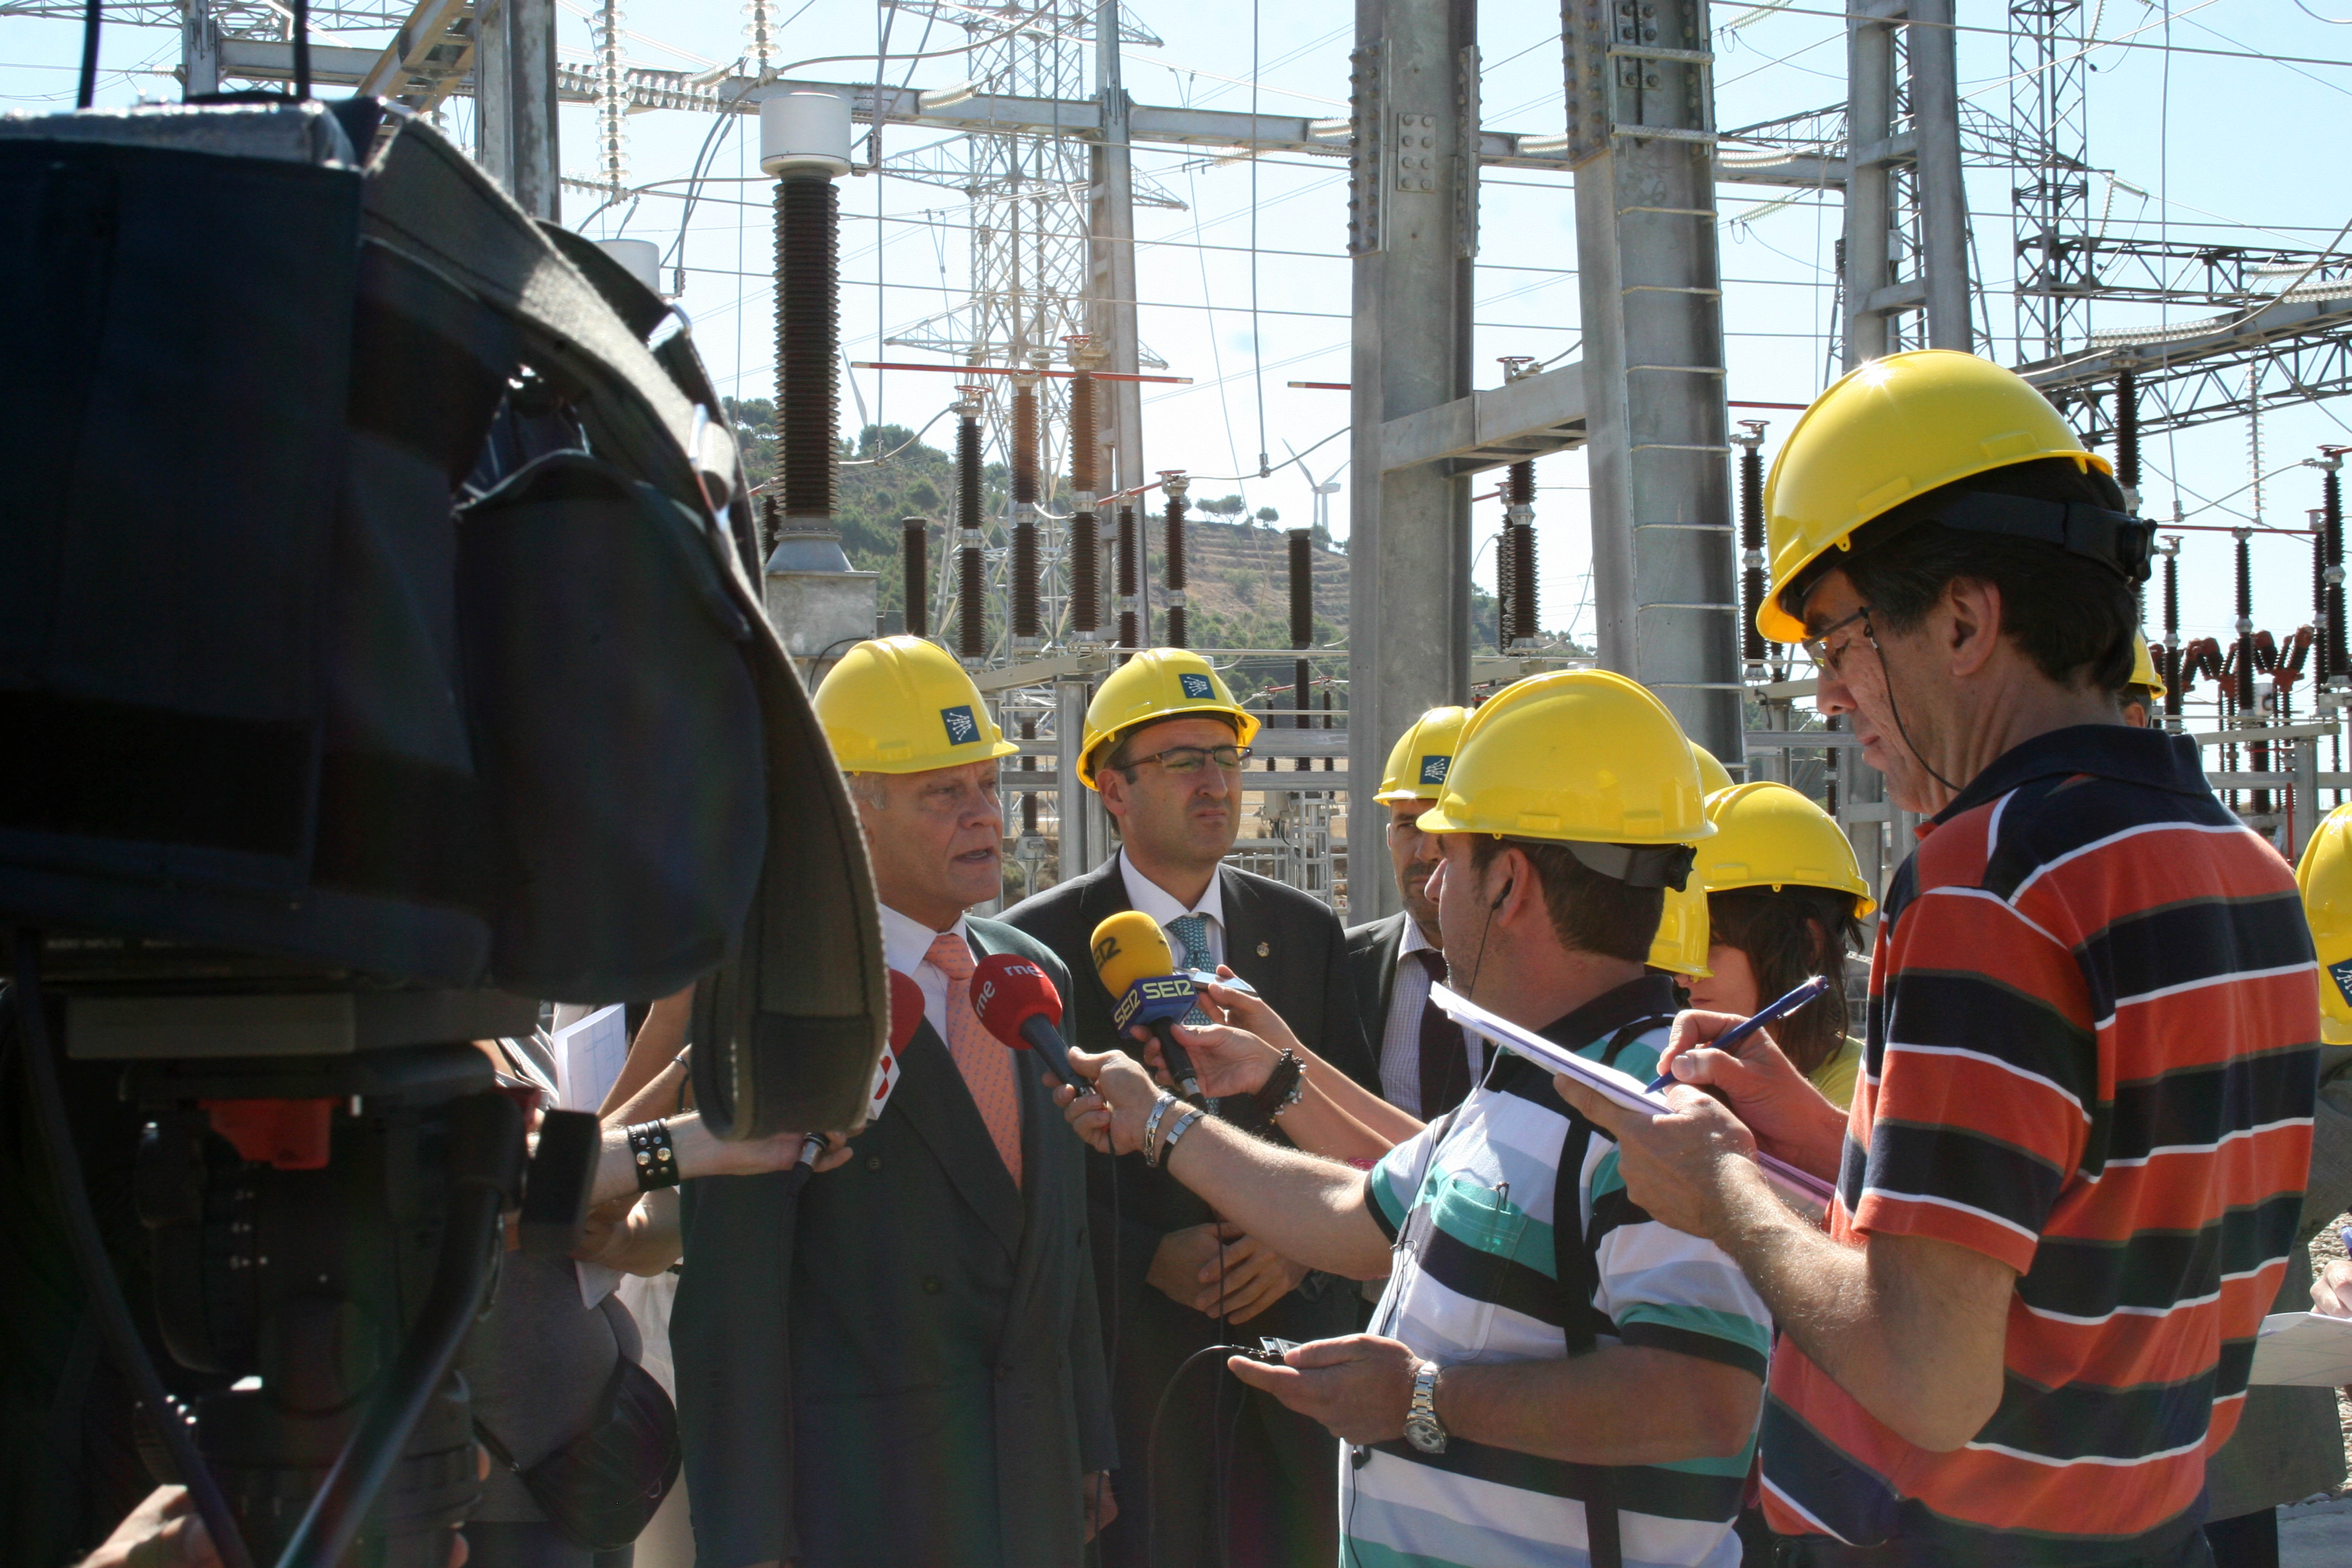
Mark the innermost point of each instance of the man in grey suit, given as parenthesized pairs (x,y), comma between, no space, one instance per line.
(1425,1061)
(905,1367)
(1163,746)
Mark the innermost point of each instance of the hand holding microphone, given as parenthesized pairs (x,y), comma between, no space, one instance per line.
(905,1017)
(1138,969)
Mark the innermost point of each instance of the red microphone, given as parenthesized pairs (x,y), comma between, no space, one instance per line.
(906,1018)
(1017,1003)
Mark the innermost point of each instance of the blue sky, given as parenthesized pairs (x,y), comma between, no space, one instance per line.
(2198,145)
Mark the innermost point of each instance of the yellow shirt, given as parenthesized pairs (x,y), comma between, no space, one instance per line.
(1835,1078)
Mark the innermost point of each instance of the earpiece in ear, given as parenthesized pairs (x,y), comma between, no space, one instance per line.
(1501,896)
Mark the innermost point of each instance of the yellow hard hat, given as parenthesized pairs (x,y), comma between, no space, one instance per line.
(1769,835)
(1417,761)
(1888,432)
(1683,933)
(2326,878)
(1573,756)
(899,705)
(1712,774)
(1157,684)
(2144,668)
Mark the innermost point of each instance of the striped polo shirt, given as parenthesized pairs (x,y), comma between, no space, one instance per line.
(1499,1259)
(2091,1055)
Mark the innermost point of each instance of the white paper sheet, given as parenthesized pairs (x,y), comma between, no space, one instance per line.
(1623,1088)
(588,1057)
(2303,1350)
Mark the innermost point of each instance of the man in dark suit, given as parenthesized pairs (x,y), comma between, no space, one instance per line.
(1425,1067)
(1162,743)
(906,1366)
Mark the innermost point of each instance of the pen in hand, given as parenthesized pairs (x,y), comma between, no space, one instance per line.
(1763,1018)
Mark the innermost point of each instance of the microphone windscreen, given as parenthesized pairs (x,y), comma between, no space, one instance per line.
(905,1009)
(1007,991)
(1130,947)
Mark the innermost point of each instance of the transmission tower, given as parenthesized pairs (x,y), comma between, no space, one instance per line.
(2048,120)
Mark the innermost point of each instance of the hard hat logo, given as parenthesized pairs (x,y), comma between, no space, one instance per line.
(2342,973)
(1432,769)
(963,728)
(1196,687)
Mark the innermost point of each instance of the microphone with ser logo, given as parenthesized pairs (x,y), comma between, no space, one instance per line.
(1137,966)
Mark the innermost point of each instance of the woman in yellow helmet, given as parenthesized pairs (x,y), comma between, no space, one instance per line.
(1785,901)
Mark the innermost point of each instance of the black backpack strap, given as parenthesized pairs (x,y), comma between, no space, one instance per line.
(1579,1281)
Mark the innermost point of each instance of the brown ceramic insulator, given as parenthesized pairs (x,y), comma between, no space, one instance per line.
(1506,557)
(1179,623)
(2331,522)
(1025,447)
(1085,574)
(772,524)
(1086,452)
(1523,581)
(1751,547)
(1024,578)
(971,602)
(1128,589)
(2127,432)
(1028,765)
(1521,490)
(968,472)
(916,553)
(808,344)
(2169,652)
(1302,589)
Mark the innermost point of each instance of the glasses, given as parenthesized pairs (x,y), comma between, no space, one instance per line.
(1192,759)
(1818,648)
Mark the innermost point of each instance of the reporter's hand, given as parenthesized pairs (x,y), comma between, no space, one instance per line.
(1110,1109)
(757,1156)
(1789,1117)
(1361,1387)
(1101,1507)
(1247,1010)
(163,1531)
(2331,1292)
(1177,1262)
(1250,1277)
(1229,1061)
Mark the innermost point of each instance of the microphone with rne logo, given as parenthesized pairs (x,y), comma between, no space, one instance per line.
(1136,965)
(1017,1003)
(905,1017)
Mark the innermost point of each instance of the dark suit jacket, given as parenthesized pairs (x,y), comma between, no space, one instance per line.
(1302,974)
(1372,950)
(903,1367)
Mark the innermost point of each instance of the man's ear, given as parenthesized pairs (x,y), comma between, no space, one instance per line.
(1971,616)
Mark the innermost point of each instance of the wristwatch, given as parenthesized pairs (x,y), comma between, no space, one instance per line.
(1422,1429)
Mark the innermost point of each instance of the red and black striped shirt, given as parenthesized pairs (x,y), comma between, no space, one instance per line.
(2092,1050)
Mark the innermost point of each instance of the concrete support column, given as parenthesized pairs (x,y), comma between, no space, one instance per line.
(1086,826)
(1412,232)
(1110,239)
(1905,198)
(514,81)
(200,50)
(1641,126)
(1933,54)
(1869,186)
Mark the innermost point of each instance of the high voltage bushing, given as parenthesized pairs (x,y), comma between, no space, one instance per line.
(772,523)
(1028,765)
(1130,593)
(2168,663)
(1302,621)
(1176,485)
(2128,438)
(805,145)
(1751,543)
(972,578)
(1519,550)
(916,552)
(1085,573)
(1505,602)
(1024,442)
(2331,523)
(1024,581)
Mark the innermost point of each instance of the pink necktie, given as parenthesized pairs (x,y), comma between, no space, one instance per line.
(988,1068)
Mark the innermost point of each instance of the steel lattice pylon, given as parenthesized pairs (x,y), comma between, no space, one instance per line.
(2049,119)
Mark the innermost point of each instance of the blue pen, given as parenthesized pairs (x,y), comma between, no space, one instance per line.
(1771,1015)
(2345,1236)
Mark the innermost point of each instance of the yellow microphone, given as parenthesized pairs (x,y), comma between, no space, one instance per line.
(1137,966)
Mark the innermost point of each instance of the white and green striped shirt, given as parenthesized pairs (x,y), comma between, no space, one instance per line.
(1482,1274)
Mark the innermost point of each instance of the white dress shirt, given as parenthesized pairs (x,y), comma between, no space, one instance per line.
(906,947)
(1400,1039)
(1149,896)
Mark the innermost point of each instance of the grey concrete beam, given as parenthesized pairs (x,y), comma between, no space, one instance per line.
(1490,428)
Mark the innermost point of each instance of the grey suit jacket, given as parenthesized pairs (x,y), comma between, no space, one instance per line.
(906,1366)
(2290,1441)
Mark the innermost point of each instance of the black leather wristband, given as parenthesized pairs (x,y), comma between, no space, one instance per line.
(1280,1090)
(650,1152)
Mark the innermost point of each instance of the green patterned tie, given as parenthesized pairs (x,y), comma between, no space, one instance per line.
(1192,933)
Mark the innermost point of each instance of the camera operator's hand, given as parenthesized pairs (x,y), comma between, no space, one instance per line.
(1109,1111)
(163,1531)
(700,1152)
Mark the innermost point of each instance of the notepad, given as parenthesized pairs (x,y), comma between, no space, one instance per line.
(1621,1088)
(589,1055)
(2303,1350)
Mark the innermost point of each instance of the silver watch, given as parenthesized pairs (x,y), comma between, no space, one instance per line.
(1422,1429)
